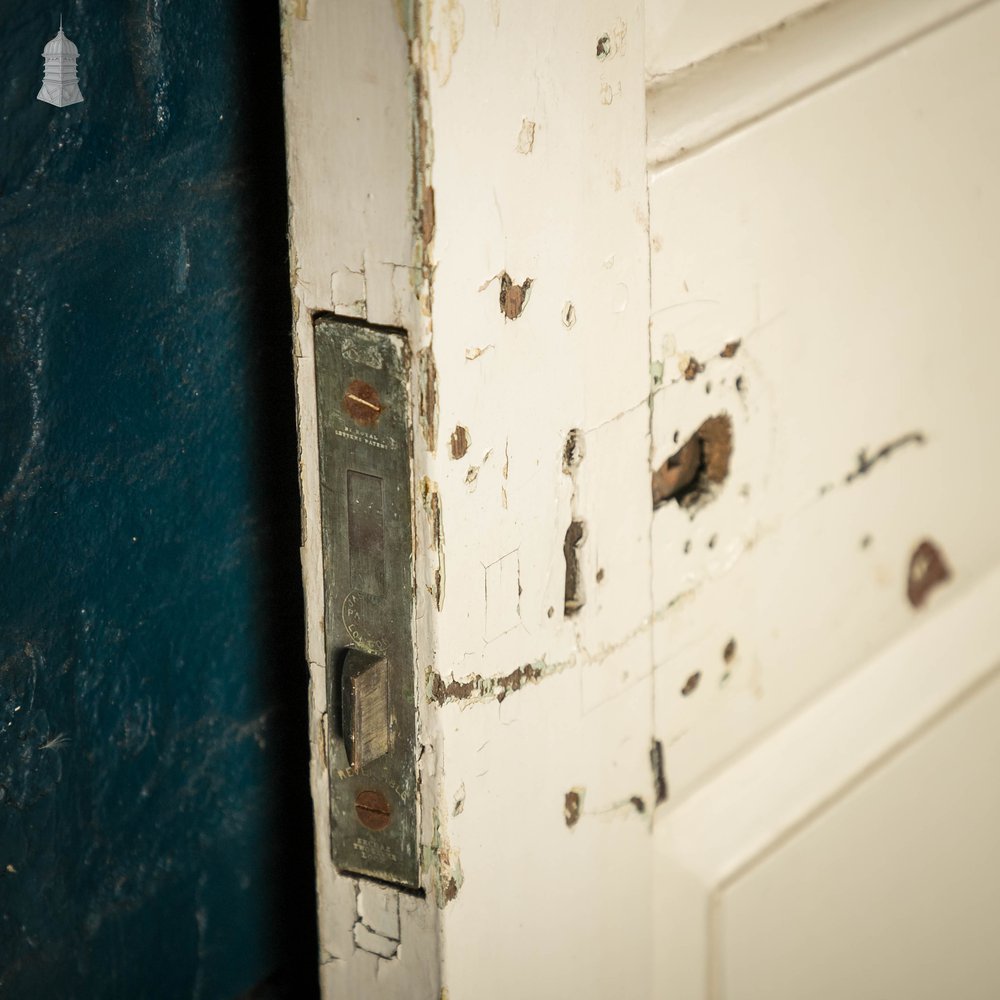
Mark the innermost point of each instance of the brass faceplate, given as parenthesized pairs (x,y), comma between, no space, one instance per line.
(364,435)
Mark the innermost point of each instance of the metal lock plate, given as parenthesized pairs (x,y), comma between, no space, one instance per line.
(364,435)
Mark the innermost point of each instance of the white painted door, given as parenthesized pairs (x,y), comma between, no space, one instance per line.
(700,303)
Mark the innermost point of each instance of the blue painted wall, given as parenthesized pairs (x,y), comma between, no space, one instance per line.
(155,834)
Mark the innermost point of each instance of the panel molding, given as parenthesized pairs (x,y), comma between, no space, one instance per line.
(692,108)
(749,810)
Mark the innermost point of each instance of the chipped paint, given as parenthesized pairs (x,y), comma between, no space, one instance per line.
(447,18)
(428,413)
(692,369)
(658,765)
(477,688)
(928,570)
(691,684)
(459,441)
(573,806)
(513,297)
(526,137)
(431,500)
(441,859)
(692,474)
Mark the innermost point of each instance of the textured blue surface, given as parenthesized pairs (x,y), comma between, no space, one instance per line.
(154,816)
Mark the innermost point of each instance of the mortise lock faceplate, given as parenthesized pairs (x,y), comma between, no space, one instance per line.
(364,438)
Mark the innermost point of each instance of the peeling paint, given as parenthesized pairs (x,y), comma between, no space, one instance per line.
(428,216)
(432,508)
(486,688)
(444,864)
(573,451)
(526,137)
(447,31)
(427,376)
(472,353)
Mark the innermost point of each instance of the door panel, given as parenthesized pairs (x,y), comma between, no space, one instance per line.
(842,248)
(626,714)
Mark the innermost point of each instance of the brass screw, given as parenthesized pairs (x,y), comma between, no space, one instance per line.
(373,809)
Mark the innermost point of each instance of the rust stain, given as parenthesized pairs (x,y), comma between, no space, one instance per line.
(730,651)
(691,474)
(427,374)
(362,404)
(476,686)
(691,684)
(572,806)
(302,9)
(513,298)
(639,803)
(459,441)
(658,764)
(730,349)
(928,570)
